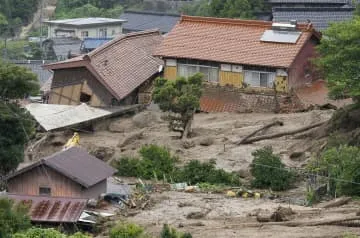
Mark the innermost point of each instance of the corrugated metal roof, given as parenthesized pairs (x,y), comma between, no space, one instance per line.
(54,116)
(52,209)
(139,21)
(86,21)
(93,43)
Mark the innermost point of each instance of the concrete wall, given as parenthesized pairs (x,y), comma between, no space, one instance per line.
(112,31)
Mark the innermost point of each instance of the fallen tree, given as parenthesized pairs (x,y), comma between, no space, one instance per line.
(275,123)
(281,134)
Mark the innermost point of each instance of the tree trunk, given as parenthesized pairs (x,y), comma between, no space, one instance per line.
(275,123)
(281,134)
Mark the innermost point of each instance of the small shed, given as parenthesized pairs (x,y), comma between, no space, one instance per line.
(69,173)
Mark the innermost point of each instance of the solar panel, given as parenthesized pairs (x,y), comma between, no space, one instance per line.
(280,36)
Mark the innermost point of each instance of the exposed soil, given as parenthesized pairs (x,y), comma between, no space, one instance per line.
(213,138)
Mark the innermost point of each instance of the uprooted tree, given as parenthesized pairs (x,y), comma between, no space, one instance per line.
(180,98)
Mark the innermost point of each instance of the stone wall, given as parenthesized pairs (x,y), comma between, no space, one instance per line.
(226,99)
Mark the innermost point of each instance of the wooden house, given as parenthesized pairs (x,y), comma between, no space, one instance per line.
(69,173)
(117,73)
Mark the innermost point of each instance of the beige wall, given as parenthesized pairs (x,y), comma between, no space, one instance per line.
(92,31)
(235,79)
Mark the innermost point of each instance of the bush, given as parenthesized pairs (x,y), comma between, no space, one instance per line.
(127,230)
(196,172)
(168,232)
(343,165)
(13,218)
(269,171)
(46,233)
(159,163)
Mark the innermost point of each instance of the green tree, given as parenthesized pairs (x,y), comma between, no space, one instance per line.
(127,230)
(269,171)
(339,56)
(16,125)
(13,218)
(180,97)
(169,232)
(342,165)
(46,233)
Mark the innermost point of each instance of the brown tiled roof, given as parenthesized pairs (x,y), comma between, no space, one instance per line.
(76,164)
(52,209)
(122,64)
(230,41)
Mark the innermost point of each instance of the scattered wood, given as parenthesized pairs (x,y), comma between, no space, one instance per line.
(281,134)
(335,203)
(275,123)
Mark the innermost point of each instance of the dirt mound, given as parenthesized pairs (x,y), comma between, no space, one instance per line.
(145,119)
(103,153)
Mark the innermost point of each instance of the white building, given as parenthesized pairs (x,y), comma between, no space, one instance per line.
(85,27)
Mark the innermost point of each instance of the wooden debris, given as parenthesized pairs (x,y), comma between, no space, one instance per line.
(275,123)
(336,202)
(281,134)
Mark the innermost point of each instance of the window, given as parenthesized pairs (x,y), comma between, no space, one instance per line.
(211,74)
(113,32)
(45,191)
(85,98)
(259,79)
(84,34)
(103,32)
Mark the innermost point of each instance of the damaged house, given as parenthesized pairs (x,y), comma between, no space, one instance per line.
(240,56)
(70,173)
(119,72)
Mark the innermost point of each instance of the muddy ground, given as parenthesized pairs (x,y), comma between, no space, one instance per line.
(213,138)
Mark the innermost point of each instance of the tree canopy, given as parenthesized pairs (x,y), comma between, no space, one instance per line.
(244,9)
(180,97)
(16,125)
(339,59)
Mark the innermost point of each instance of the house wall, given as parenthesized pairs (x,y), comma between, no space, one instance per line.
(230,77)
(96,190)
(28,183)
(68,84)
(302,71)
(92,31)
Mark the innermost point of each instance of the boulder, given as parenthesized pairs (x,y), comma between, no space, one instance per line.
(187,144)
(145,119)
(102,153)
(206,141)
(122,125)
(130,138)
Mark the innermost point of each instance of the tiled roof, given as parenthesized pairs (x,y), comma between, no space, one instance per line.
(122,64)
(320,17)
(230,41)
(36,67)
(62,46)
(139,21)
(76,164)
(52,209)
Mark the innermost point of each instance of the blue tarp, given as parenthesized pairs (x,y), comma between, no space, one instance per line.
(93,43)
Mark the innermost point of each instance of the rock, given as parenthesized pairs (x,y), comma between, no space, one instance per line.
(92,203)
(103,153)
(230,194)
(196,215)
(121,125)
(298,156)
(207,141)
(190,189)
(238,124)
(244,173)
(130,138)
(187,144)
(145,119)
(263,216)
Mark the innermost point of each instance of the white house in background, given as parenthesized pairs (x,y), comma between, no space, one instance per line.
(81,28)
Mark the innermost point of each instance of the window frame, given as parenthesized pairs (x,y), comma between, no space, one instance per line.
(101,32)
(45,193)
(198,71)
(259,72)
(85,34)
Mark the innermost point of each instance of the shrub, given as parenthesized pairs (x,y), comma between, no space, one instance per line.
(46,233)
(158,162)
(343,165)
(168,232)
(127,230)
(13,218)
(269,171)
(196,172)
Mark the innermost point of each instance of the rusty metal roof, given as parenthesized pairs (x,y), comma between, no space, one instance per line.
(52,209)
